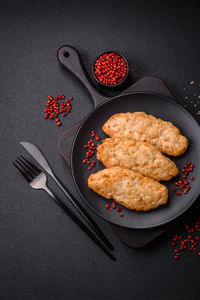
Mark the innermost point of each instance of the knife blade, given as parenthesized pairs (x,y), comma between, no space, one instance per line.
(42,161)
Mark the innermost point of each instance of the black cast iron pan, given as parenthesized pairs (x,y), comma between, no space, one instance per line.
(151,103)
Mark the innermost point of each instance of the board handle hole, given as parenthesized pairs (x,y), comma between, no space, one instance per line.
(66,54)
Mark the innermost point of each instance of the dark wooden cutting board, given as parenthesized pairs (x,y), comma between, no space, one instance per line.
(132,237)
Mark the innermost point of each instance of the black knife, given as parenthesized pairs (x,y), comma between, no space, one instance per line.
(40,158)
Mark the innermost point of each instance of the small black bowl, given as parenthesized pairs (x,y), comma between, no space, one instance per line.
(111,85)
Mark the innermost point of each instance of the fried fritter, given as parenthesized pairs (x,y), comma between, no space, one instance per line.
(138,156)
(140,126)
(129,188)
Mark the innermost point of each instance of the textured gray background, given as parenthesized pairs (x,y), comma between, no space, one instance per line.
(43,254)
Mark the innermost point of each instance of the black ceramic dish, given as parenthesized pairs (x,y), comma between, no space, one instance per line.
(113,85)
(158,106)
(151,103)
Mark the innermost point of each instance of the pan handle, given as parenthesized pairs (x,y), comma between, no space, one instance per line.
(69,58)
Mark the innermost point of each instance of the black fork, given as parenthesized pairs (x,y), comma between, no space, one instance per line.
(37,180)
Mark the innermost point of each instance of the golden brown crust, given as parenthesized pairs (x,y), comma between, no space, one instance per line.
(140,126)
(138,156)
(129,188)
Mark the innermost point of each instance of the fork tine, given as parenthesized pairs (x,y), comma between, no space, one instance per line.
(25,169)
(37,170)
(25,175)
(27,166)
